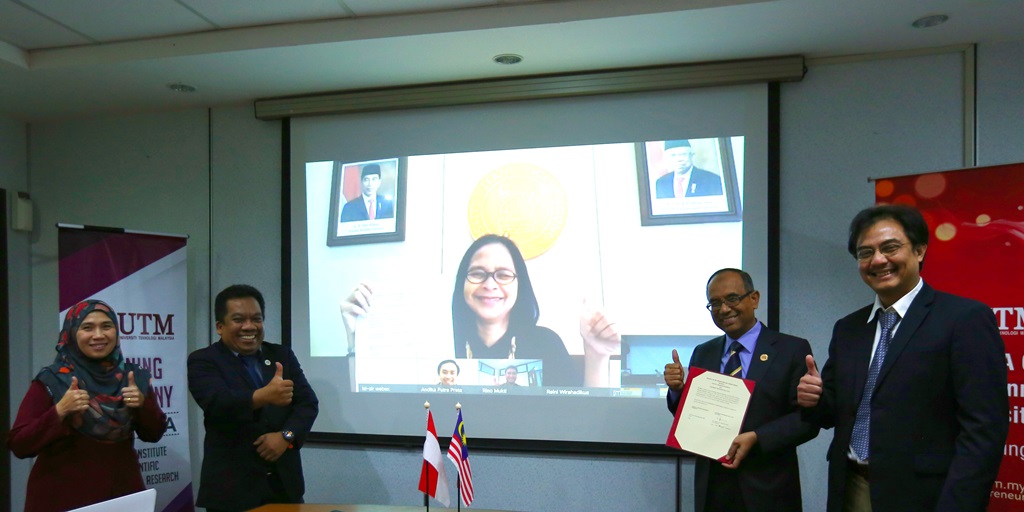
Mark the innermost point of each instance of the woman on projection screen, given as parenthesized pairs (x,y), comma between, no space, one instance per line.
(495,314)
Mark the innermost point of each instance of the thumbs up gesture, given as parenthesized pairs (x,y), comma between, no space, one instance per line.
(131,394)
(74,400)
(675,374)
(277,392)
(808,392)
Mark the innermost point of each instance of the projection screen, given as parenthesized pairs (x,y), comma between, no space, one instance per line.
(582,188)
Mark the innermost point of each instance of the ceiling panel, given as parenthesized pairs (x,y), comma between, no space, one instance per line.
(118,20)
(233,14)
(29,31)
(378,7)
(456,40)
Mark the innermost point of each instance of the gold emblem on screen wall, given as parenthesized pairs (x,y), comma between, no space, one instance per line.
(521,201)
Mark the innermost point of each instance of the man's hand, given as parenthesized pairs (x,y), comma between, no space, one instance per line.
(74,400)
(271,446)
(808,392)
(675,374)
(739,449)
(131,394)
(277,392)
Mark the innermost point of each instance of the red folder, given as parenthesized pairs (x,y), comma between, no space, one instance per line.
(691,373)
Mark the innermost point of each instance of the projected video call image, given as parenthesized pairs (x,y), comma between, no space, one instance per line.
(452,376)
(522,271)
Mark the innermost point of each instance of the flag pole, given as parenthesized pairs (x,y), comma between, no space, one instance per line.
(426,495)
(458,474)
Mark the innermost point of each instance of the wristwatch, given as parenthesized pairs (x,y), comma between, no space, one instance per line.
(288,436)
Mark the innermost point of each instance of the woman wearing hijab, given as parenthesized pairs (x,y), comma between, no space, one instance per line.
(81,415)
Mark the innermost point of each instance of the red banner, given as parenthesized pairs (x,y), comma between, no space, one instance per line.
(976,219)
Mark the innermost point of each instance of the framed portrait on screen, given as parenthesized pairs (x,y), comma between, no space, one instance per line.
(367,202)
(686,181)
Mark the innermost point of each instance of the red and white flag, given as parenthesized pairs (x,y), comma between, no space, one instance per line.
(432,478)
(458,453)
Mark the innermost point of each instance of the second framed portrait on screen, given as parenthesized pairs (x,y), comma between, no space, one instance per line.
(685,181)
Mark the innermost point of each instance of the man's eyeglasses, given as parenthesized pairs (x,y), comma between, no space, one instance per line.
(501,276)
(730,300)
(888,249)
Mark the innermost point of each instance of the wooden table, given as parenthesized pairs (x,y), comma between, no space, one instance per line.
(310,507)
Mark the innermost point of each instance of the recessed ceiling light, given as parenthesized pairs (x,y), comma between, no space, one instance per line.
(508,58)
(180,87)
(930,21)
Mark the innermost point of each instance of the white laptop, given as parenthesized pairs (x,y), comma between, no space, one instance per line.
(144,501)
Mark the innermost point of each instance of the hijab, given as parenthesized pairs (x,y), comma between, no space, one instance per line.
(107,418)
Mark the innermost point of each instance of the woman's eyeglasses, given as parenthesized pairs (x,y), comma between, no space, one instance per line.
(501,276)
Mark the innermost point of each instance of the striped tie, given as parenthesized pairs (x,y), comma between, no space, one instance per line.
(733,366)
(862,425)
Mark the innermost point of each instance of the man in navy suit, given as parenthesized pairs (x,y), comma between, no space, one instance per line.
(257,406)
(915,384)
(369,200)
(764,473)
(685,180)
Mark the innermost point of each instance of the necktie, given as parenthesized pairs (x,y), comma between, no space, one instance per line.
(733,366)
(862,425)
(252,367)
(678,184)
(371,209)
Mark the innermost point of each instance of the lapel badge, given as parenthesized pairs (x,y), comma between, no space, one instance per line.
(764,357)
(266,362)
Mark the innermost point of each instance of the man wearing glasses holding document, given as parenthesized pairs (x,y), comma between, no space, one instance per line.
(763,474)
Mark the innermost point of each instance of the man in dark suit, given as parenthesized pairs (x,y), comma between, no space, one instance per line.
(685,180)
(764,473)
(915,384)
(257,406)
(369,201)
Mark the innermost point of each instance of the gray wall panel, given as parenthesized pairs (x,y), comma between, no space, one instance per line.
(842,125)
(1000,103)
(14,178)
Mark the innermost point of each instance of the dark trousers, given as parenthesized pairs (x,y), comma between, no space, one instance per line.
(724,490)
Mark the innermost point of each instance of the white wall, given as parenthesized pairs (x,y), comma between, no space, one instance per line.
(215,176)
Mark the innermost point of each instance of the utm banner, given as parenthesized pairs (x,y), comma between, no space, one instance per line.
(976,247)
(143,277)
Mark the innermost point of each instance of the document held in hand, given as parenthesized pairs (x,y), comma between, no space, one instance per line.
(710,413)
